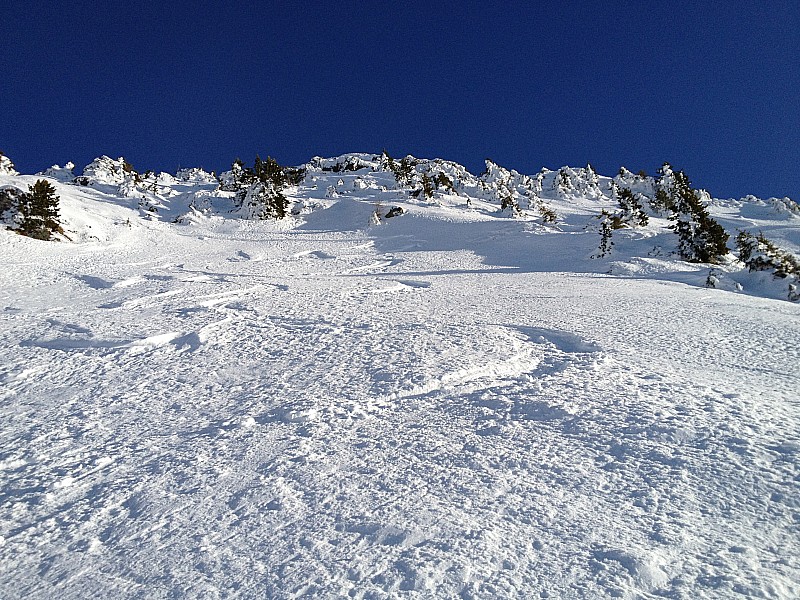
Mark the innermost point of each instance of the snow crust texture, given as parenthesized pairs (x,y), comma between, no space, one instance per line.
(449,403)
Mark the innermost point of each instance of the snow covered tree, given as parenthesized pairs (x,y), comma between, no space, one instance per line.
(403,171)
(238,178)
(591,174)
(509,203)
(562,182)
(442,181)
(427,186)
(9,200)
(632,210)
(263,200)
(701,238)
(38,210)
(663,202)
(760,254)
(263,196)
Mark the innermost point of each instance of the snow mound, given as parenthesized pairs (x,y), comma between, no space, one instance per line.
(6,166)
(63,174)
(195,175)
(106,171)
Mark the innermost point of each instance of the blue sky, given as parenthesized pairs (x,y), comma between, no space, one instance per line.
(711,87)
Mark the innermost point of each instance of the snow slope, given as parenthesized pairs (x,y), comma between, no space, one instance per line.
(450,403)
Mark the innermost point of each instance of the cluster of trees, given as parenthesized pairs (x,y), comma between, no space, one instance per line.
(260,189)
(631,214)
(701,239)
(36,211)
(403,170)
(422,185)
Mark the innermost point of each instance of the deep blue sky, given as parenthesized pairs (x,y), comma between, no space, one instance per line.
(713,87)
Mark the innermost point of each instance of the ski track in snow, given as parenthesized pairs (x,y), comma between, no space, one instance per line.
(316,417)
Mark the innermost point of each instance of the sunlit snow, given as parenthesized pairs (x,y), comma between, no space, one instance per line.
(455,402)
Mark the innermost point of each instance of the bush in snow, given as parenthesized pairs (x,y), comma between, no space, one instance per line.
(548,214)
(194,175)
(583,182)
(760,254)
(63,174)
(395,211)
(38,211)
(508,203)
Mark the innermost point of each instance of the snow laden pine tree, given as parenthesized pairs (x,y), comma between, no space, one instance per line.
(264,198)
(760,254)
(38,211)
(700,238)
(632,210)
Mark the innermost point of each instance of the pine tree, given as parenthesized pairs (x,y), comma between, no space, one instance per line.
(386,161)
(664,200)
(661,202)
(38,210)
(632,210)
(701,238)
(606,232)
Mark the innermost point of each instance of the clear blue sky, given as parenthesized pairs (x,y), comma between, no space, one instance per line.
(713,87)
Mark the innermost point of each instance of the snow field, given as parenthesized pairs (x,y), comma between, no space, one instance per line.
(437,406)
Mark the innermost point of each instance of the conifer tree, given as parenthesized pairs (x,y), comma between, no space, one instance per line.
(606,232)
(661,202)
(632,210)
(664,200)
(38,209)
(701,238)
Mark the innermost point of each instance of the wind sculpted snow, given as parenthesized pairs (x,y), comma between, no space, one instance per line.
(445,404)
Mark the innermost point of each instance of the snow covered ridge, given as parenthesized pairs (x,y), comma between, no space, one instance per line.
(628,225)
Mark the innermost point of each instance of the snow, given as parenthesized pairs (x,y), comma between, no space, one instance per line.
(6,166)
(448,403)
(64,174)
